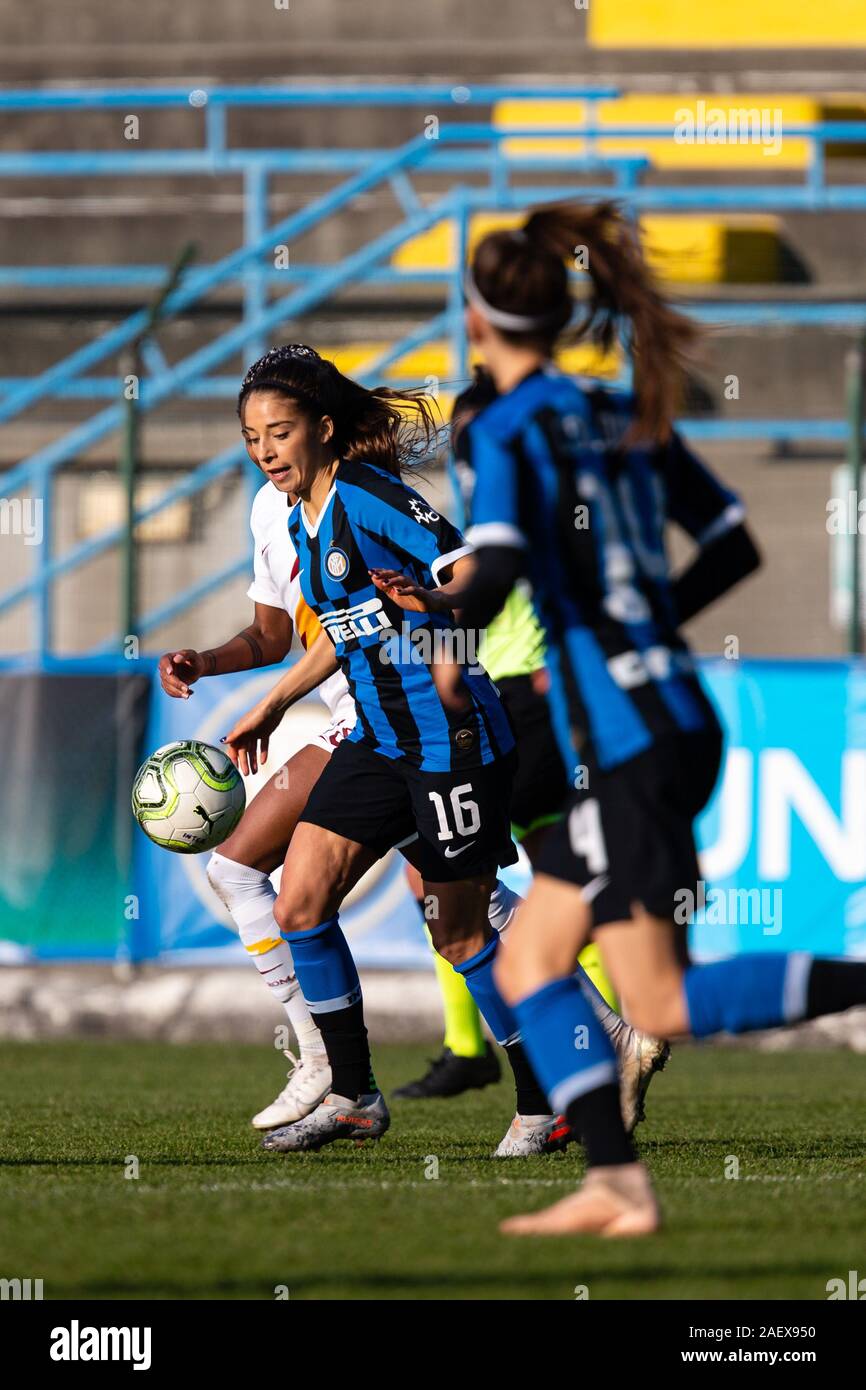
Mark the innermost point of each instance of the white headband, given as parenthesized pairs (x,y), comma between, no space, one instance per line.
(500,318)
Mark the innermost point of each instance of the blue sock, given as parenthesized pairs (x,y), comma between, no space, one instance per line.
(567,1046)
(747,992)
(324,966)
(478,974)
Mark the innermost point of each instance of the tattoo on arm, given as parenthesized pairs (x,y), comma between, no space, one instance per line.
(257,653)
(210,661)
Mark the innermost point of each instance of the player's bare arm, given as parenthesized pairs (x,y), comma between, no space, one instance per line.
(247,742)
(264,643)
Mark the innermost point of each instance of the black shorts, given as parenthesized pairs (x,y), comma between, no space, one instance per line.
(541,784)
(452,825)
(627,837)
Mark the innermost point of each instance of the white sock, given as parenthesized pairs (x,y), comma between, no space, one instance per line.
(503,905)
(249,898)
(616,1028)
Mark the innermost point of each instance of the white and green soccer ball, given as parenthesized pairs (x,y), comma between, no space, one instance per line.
(188,797)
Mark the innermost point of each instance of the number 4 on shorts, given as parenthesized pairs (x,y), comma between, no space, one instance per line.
(586,837)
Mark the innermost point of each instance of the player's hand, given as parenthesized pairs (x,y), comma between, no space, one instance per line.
(405,592)
(247,743)
(179,670)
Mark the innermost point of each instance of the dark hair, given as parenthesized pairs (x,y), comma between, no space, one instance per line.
(524,274)
(469,403)
(391,429)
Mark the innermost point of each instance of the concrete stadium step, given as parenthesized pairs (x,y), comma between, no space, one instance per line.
(779,372)
(303,39)
(824,249)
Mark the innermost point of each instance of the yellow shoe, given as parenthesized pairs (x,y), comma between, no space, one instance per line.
(616,1201)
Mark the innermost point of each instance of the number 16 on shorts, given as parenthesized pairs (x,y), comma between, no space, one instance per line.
(465,815)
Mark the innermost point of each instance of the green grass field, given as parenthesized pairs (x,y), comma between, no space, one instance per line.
(213,1216)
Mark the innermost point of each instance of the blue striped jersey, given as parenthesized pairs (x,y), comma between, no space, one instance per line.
(372,520)
(553,478)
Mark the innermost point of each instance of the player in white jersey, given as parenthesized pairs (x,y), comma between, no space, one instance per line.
(240,870)
(276,584)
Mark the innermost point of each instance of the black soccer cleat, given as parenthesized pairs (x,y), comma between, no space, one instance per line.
(449,1075)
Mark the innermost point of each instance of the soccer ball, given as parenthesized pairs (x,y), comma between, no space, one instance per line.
(188,797)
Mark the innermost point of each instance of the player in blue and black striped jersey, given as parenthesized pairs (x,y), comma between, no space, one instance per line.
(434,781)
(574,487)
(555,485)
(371,521)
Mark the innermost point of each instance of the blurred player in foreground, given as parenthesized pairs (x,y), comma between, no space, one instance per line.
(574,486)
(512,654)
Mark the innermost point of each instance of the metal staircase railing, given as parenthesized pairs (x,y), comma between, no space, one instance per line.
(464,149)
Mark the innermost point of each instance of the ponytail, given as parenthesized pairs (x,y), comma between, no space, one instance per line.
(524,273)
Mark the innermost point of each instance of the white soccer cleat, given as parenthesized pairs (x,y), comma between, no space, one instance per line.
(639,1058)
(336,1118)
(610,1202)
(530,1135)
(309,1083)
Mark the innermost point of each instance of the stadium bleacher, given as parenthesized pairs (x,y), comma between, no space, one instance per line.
(770,262)
(725,24)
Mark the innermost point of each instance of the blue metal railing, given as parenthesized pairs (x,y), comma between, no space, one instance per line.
(453,153)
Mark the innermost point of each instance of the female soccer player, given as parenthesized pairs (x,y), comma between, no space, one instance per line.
(410,774)
(240,870)
(574,487)
(512,654)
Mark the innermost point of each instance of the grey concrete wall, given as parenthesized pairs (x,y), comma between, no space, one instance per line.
(124,38)
(229,1004)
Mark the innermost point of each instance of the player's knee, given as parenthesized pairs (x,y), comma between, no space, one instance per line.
(216,871)
(658,1009)
(288,915)
(456,950)
(228,878)
(292,914)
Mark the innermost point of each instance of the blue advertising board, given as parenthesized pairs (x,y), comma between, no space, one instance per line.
(783,841)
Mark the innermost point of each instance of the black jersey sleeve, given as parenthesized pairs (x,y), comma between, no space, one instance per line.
(696,499)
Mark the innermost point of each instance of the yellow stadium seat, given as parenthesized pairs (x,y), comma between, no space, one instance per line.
(732,250)
(726,24)
(717,131)
(435,362)
(681,248)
